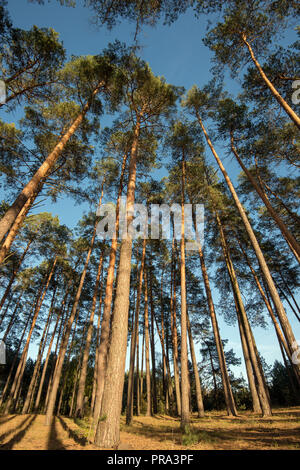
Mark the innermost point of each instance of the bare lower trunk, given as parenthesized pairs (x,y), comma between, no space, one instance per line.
(199,397)
(102,350)
(108,427)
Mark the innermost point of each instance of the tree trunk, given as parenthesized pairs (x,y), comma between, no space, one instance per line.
(38,397)
(14,360)
(12,318)
(95,381)
(196,372)
(15,272)
(260,257)
(83,371)
(39,357)
(108,427)
(147,358)
(106,317)
(229,398)
(262,392)
(64,344)
(15,228)
(28,191)
(20,370)
(174,332)
(134,337)
(294,117)
(154,389)
(283,228)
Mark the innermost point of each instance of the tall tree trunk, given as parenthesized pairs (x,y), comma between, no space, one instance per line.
(229,398)
(67,364)
(249,369)
(270,310)
(108,428)
(28,191)
(106,317)
(147,358)
(60,315)
(39,356)
(12,318)
(64,344)
(196,372)
(261,388)
(95,380)
(154,389)
(174,332)
(134,338)
(294,117)
(260,257)
(83,371)
(13,276)
(283,228)
(20,370)
(3,396)
(4,250)
(137,375)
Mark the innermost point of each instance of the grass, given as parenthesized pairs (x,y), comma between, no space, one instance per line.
(215,431)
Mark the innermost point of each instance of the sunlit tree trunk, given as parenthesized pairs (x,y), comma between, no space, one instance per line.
(39,356)
(106,317)
(261,388)
(154,386)
(294,116)
(199,397)
(83,370)
(147,357)
(108,428)
(13,276)
(29,190)
(260,257)
(134,337)
(20,370)
(64,344)
(274,214)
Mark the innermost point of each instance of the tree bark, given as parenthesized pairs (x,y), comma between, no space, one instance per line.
(261,388)
(283,228)
(108,427)
(196,372)
(294,117)
(106,317)
(28,191)
(147,357)
(260,257)
(64,344)
(83,371)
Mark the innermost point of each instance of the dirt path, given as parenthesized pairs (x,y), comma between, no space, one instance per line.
(215,431)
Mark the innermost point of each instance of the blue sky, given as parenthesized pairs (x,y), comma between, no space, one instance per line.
(177,53)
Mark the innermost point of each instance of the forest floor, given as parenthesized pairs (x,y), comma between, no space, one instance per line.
(214,432)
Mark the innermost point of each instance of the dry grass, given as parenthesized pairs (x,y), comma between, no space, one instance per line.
(214,432)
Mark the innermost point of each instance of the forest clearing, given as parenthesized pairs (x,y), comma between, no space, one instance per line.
(214,432)
(149,225)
